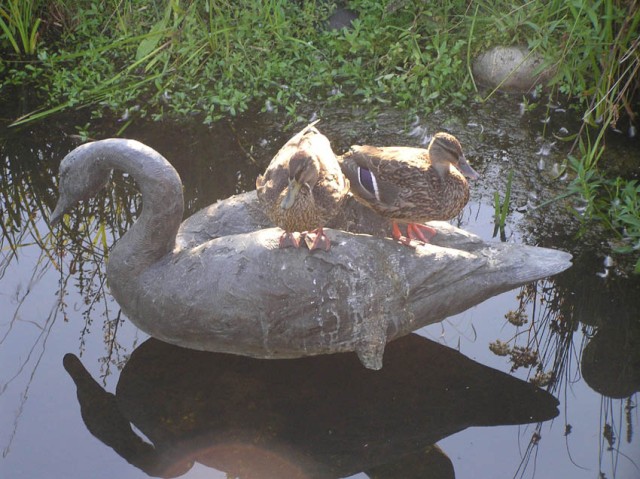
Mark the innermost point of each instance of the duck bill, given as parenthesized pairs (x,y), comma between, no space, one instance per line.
(466,170)
(291,194)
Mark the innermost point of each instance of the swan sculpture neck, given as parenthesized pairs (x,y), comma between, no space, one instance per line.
(153,235)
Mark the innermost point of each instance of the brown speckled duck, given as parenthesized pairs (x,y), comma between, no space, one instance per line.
(411,185)
(302,188)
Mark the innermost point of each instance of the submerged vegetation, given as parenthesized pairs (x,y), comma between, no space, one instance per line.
(211,59)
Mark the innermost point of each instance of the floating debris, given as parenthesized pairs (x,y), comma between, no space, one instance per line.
(545,149)
(420,132)
(523,108)
(127,112)
(535,438)
(473,124)
(608,264)
(417,131)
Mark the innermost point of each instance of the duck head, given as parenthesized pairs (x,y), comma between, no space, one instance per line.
(445,149)
(79,180)
(303,172)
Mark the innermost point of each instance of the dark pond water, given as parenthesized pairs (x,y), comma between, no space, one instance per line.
(444,405)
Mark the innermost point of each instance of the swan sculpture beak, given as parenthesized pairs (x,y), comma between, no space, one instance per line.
(57,213)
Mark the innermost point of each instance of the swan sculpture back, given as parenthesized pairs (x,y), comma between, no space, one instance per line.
(241,294)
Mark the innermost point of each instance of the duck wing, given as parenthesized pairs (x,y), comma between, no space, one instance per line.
(377,174)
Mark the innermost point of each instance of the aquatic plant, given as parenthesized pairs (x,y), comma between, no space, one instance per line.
(78,259)
(560,341)
(501,208)
(19,23)
(594,49)
(612,202)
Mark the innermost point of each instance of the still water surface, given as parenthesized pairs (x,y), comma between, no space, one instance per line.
(220,416)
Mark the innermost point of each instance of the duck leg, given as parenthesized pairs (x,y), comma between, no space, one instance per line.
(398,236)
(415,231)
(421,232)
(316,239)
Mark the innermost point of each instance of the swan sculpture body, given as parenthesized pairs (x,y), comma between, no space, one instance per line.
(240,293)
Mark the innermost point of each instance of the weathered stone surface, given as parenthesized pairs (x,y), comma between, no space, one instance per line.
(513,69)
(224,285)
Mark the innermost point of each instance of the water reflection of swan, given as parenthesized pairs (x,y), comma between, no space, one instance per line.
(311,417)
(239,293)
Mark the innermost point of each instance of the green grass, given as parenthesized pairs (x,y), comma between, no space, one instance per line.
(215,58)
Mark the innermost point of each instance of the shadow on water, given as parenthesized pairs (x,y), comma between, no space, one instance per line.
(581,324)
(324,416)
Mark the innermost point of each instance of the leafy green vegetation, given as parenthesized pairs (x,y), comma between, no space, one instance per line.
(613,202)
(213,58)
(594,50)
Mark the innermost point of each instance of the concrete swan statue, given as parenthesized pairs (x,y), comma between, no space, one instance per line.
(239,293)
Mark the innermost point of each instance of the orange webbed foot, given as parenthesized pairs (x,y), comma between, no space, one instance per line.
(289,239)
(416,232)
(420,232)
(398,236)
(317,239)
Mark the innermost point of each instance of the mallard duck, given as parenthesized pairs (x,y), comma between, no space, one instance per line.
(302,188)
(411,185)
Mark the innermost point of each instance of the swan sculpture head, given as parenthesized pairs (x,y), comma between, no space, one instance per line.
(240,293)
(79,180)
